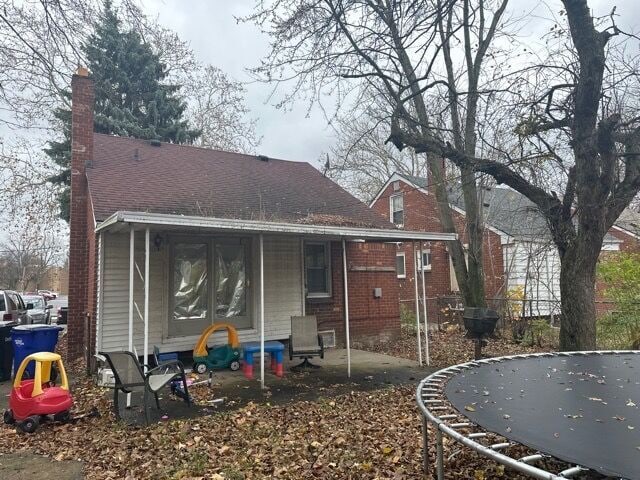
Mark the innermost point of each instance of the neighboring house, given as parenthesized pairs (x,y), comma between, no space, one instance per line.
(166,239)
(410,203)
(518,250)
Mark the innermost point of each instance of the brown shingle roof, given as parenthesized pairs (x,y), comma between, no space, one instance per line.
(130,174)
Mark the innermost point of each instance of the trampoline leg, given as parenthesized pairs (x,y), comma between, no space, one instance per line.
(425,446)
(439,455)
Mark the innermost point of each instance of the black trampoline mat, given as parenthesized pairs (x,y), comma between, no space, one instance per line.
(582,409)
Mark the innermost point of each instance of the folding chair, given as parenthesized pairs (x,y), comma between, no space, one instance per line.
(130,377)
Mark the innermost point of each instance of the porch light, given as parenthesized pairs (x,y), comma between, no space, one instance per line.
(157,241)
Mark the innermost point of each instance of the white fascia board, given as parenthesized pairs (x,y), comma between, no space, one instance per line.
(625,231)
(395,178)
(255,226)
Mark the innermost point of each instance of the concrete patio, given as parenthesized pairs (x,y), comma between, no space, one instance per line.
(369,371)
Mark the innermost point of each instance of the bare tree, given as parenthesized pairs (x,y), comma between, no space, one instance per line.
(361,160)
(217,109)
(574,113)
(399,51)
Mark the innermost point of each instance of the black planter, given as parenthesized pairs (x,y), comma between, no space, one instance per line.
(480,322)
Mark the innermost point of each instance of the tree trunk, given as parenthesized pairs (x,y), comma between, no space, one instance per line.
(474,222)
(577,292)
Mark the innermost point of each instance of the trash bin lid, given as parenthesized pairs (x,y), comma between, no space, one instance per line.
(31,328)
(8,323)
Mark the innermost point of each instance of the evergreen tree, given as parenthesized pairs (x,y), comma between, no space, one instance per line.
(130,97)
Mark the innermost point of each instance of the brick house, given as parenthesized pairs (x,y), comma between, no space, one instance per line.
(167,239)
(410,203)
(518,250)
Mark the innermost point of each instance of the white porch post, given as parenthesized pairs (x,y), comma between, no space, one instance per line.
(132,240)
(261,310)
(146,295)
(415,284)
(424,311)
(346,306)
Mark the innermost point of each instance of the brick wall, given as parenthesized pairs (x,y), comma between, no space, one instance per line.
(371,320)
(82,240)
(421,214)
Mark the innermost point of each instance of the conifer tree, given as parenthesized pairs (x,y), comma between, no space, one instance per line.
(131,96)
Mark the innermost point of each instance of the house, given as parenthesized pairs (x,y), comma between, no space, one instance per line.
(167,239)
(519,253)
(410,203)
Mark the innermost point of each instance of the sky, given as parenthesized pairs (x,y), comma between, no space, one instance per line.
(297,133)
(216,38)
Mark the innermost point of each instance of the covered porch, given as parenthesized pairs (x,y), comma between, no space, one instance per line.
(162,279)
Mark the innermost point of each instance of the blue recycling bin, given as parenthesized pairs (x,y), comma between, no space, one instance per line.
(28,339)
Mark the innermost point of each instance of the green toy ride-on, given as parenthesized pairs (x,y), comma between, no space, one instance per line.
(219,357)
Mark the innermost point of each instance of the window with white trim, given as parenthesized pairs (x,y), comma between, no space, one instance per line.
(424,260)
(317,268)
(396,207)
(401,270)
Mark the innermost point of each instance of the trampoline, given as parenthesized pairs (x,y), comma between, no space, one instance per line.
(581,408)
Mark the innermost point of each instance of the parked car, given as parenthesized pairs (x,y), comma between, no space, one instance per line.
(62,315)
(48,295)
(37,309)
(12,307)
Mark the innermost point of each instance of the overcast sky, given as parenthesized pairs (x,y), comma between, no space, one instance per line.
(217,38)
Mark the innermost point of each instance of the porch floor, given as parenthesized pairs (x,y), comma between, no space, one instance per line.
(369,371)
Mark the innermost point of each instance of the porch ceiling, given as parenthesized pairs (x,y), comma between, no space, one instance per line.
(123,220)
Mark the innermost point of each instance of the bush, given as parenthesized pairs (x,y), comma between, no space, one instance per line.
(407,319)
(619,331)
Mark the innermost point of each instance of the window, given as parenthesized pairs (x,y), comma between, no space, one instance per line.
(190,274)
(231,300)
(13,302)
(424,263)
(317,261)
(397,209)
(400,265)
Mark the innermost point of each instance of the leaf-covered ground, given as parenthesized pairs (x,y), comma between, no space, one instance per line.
(363,435)
(357,435)
(450,347)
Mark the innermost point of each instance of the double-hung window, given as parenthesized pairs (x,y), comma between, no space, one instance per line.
(396,204)
(317,266)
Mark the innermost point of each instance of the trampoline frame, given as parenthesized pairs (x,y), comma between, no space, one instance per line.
(432,403)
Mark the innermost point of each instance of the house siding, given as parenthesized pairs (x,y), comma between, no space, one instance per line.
(283,294)
(421,214)
(371,320)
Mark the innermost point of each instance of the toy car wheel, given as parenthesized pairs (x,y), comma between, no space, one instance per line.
(200,368)
(29,424)
(235,365)
(8,418)
(62,416)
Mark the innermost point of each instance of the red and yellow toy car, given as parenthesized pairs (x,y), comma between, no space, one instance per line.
(33,399)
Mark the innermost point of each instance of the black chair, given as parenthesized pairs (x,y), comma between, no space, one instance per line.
(130,377)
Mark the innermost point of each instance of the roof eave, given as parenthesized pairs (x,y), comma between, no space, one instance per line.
(258,226)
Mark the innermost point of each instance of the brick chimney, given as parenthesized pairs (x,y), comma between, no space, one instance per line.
(82,236)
